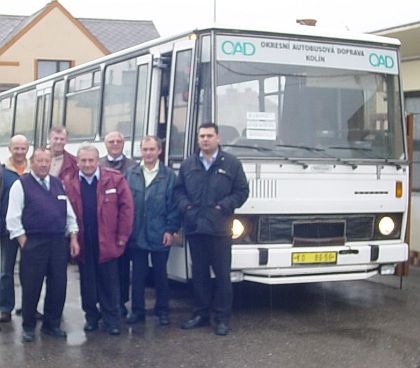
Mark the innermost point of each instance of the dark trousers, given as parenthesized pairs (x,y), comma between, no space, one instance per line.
(124,274)
(99,283)
(214,251)
(8,252)
(43,257)
(140,259)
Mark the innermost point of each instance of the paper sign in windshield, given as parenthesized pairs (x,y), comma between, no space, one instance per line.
(261,125)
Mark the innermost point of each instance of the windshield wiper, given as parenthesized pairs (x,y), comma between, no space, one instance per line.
(257,148)
(265,149)
(306,148)
(351,148)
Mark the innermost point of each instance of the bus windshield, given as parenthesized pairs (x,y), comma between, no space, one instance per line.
(284,110)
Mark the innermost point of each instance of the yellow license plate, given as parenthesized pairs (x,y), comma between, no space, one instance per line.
(314,257)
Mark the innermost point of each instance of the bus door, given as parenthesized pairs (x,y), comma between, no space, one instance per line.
(142,105)
(42,123)
(176,137)
(180,99)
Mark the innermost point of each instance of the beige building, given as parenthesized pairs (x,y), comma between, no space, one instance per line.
(409,35)
(52,40)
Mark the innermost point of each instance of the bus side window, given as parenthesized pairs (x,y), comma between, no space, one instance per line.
(142,105)
(25,115)
(164,103)
(6,119)
(82,106)
(180,103)
(119,101)
(58,103)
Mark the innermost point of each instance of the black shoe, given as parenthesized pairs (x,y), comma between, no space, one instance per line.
(39,316)
(28,336)
(221,329)
(90,326)
(114,331)
(197,321)
(54,331)
(133,318)
(5,317)
(164,319)
(18,311)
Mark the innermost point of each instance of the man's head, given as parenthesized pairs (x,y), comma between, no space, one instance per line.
(18,148)
(87,159)
(208,138)
(40,162)
(151,148)
(114,143)
(58,139)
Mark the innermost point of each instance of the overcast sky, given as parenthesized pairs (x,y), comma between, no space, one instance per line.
(174,16)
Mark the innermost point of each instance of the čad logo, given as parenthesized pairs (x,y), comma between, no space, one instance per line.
(381,60)
(233,48)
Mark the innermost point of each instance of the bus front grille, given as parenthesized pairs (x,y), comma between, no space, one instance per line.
(315,230)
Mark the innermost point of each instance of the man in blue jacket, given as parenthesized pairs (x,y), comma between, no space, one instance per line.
(15,166)
(210,186)
(156,220)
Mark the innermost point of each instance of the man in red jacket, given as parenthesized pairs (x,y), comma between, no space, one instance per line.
(104,207)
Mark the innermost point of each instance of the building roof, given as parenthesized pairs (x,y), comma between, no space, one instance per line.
(9,26)
(117,34)
(112,34)
(409,35)
(398,28)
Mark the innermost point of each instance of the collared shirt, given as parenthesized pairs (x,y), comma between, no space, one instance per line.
(17,203)
(110,158)
(46,180)
(207,164)
(149,175)
(56,164)
(19,170)
(89,179)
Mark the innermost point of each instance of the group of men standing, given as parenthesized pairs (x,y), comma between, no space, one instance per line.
(110,211)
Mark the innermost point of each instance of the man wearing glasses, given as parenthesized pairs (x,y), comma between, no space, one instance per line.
(115,159)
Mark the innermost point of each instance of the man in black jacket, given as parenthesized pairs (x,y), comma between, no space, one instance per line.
(210,186)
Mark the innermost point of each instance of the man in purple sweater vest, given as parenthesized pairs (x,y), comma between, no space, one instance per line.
(39,216)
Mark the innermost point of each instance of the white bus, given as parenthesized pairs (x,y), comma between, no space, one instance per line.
(316,119)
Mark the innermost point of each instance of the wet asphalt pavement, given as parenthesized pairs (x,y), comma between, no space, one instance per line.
(344,324)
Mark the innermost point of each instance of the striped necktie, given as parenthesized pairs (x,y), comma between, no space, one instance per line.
(44,184)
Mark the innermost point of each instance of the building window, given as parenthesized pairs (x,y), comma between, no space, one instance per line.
(48,67)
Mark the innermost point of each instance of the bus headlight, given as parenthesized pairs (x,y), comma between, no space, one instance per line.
(386,225)
(237,229)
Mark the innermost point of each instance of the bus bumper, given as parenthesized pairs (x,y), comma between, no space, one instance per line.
(274,264)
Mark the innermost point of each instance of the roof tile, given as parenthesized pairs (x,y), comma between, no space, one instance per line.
(113,34)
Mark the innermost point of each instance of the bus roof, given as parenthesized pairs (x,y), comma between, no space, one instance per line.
(310,31)
(301,30)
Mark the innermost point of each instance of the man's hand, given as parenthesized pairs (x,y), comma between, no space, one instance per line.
(21,240)
(168,239)
(74,247)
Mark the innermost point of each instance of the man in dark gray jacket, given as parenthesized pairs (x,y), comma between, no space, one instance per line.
(115,159)
(210,186)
